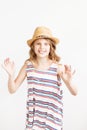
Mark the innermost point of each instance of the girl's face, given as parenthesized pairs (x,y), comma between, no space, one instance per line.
(42,48)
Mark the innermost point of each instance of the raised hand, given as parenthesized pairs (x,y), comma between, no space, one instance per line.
(68,73)
(9,66)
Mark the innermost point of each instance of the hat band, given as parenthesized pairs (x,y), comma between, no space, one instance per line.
(42,36)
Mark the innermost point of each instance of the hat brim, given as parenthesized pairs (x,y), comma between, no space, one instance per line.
(54,39)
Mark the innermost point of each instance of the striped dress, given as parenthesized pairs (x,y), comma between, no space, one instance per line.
(44,99)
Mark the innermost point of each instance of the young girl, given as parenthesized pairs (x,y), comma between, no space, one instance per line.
(44,74)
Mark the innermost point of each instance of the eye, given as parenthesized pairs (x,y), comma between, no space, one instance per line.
(37,43)
(46,43)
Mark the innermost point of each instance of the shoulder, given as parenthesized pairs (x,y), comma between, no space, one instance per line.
(27,62)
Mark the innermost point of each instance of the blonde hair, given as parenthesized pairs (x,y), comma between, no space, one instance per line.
(52,55)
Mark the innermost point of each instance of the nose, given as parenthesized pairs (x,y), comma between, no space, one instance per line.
(42,46)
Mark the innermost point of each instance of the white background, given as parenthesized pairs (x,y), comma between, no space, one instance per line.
(68,21)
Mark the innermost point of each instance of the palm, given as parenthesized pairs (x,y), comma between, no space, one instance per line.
(9,66)
(67,75)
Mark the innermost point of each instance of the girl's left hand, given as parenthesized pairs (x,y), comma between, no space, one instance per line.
(68,73)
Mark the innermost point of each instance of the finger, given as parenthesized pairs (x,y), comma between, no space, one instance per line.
(1,63)
(67,67)
(12,63)
(3,66)
(6,61)
(74,72)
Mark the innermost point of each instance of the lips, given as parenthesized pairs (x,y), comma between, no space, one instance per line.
(42,52)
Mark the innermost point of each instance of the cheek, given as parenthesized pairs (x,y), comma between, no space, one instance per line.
(49,48)
(35,49)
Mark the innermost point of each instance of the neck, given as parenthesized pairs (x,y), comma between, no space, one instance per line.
(41,61)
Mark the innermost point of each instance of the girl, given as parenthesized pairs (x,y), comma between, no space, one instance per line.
(44,74)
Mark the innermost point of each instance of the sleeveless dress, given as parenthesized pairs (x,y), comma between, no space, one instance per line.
(44,99)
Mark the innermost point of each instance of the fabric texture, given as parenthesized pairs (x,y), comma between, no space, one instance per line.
(44,99)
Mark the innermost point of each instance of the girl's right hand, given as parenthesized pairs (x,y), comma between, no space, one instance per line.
(9,66)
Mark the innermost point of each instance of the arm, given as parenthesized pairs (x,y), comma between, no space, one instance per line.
(66,74)
(13,84)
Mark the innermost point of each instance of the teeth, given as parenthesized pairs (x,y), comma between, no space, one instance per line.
(41,51)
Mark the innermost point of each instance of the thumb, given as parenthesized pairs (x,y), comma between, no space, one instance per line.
(2,65)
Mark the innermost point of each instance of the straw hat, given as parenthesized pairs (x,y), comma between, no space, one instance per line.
(42,32)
